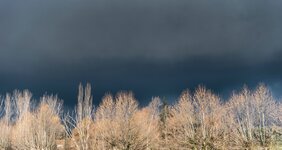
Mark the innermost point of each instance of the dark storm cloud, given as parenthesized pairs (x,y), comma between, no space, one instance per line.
(153,47)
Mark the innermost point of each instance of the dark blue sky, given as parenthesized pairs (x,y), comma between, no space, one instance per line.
(152,47)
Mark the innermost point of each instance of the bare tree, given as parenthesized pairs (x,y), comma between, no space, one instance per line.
(22,102)
(78,127)
(147,122)
(5,122)
(116,126)
(181,124)
(8,109)
(255,118)
(163,122)
(196,121)
(39,129)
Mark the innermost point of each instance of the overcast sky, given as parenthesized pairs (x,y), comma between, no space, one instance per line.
(152,47)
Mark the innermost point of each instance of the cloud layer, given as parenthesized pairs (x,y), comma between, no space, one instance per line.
(150,46)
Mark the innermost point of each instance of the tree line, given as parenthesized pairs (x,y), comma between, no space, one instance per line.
(249,119)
